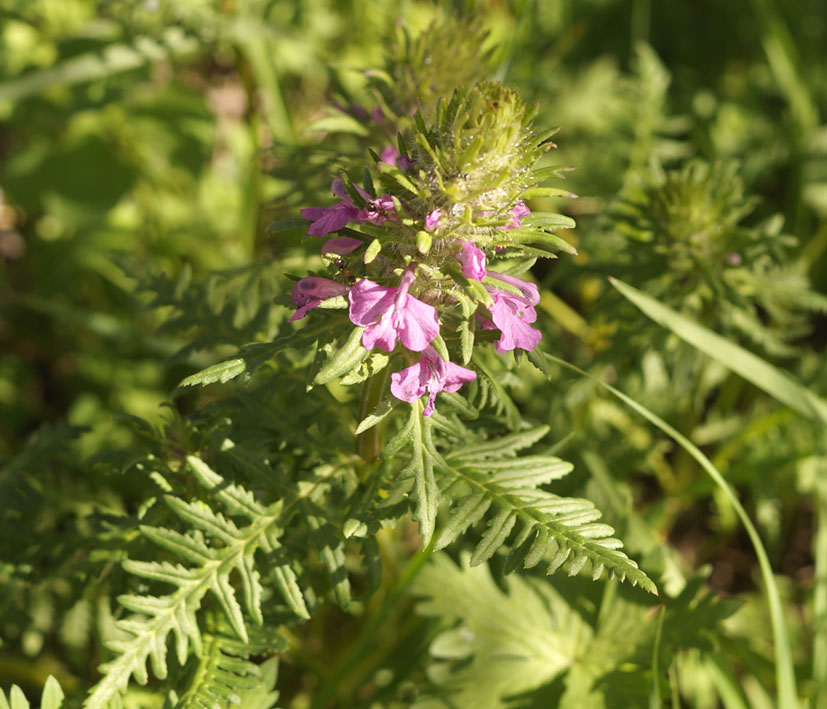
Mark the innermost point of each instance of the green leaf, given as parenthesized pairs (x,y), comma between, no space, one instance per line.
(528,235)
(52,694)
(421,467)
(288,585)
(221,372)
(288,225)
(378,414)
(548,221)
(339,123)
(347,358)
(533,192)
(547,173)
(18,699)
(372,251)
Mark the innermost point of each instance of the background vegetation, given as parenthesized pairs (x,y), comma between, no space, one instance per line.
(146,148)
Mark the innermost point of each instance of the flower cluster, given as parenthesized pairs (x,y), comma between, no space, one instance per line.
(412,259)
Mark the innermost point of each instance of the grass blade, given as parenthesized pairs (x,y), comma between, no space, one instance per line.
(759,372)
(784,672)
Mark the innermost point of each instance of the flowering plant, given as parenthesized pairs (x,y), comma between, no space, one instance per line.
(414,258)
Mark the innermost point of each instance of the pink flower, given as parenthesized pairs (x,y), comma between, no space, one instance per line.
(389,155)
(392,156)
(337,216)
(308,293)
(517,213)
(432,220)
(512,314)
(431,374)
(378,210)
(472,259)
(388,313)
(328,219)
(341,246)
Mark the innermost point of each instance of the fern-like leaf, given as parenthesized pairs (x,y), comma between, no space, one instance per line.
(210,572)
(52,697)
(222,677)
(562,530)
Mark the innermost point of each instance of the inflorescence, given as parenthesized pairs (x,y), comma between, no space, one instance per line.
(412,259)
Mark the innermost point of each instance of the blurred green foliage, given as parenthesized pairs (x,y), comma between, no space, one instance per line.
(145,147)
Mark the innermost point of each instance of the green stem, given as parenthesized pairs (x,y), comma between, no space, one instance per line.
(369,443)
(365,642)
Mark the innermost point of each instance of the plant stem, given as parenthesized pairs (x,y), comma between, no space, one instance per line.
(364,644)
(369,443)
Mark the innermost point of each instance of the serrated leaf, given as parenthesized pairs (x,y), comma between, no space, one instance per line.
(533,192)
(552,171)
(288,586)
(498,530)
(382,409)
(288,225)
(421,467)
(464,516)
(347,358)
(221,372)
(529,235)
(401,438)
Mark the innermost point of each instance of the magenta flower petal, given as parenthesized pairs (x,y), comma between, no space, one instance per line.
(529,290)
(389,155)
(512,318)
(382,334)
(432,375)
(519,211)
(337,187)
(391,313)
(512,313)
(310,292)
(472,259)
(418,324)
(432,220)
(369,301)
(341,246)
(333,219)
(313,213)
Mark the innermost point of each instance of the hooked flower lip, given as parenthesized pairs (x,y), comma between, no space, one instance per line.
(473,261)
(341,246)
(390,314)
(431,374)
(518,211)
(432,220)
(310,292)
(513,313)
(337,216)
